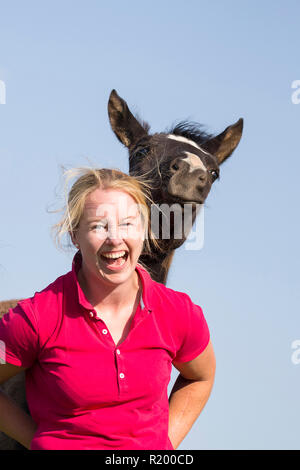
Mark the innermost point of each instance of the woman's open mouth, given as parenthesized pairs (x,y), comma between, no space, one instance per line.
(114,259)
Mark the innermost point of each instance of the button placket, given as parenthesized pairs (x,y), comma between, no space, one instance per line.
(121,371)
(101,328)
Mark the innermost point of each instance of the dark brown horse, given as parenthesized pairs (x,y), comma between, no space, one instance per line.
(181,166)
(6,305)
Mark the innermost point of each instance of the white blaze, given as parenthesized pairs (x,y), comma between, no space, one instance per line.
(180,138)
(194,162)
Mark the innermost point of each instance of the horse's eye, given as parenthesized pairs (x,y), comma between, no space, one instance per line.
(141,152)
(214,174)
(175,167)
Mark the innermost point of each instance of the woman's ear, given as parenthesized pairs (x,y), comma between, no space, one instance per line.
(74,241)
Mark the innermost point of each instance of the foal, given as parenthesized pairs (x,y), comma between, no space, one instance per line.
(181,166)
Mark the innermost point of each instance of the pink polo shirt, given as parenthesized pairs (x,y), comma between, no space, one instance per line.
(83,391)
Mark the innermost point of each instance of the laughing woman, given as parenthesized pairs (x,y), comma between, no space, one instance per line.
(98,343)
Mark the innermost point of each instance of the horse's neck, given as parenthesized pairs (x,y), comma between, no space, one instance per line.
(172,223)
(158,266)
(6,305)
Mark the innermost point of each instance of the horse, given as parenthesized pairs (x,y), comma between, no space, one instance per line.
(6,305)
(181,166)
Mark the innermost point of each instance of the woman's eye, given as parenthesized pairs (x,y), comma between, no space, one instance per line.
(98,227)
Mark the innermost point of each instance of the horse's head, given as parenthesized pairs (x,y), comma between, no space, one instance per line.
(182,164)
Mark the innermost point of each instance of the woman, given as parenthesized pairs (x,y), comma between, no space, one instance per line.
(98,343)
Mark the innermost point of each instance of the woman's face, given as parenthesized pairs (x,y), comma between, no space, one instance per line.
(110,235)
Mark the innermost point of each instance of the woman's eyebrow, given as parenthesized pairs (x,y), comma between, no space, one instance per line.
(99,218)
(129,217)
(96,219)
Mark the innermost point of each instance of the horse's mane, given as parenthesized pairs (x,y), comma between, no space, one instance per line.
(191,130)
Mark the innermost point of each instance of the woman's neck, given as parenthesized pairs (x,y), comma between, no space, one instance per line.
(104,296)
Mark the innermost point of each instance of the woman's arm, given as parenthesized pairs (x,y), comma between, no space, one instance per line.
(190,393)
(14,422)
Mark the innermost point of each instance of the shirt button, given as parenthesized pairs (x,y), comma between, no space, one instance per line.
(91,314)
(104,331)
(118,351)
(122,375)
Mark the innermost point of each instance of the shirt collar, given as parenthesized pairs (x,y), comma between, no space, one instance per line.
(143,275)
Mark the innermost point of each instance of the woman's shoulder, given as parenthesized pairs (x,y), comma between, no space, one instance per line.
(45,306)
(174,296)
(49,295)
(160,293)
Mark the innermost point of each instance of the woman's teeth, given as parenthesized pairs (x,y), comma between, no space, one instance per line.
(116,255)
(115,259)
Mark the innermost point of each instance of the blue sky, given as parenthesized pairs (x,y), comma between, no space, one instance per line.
(210,62)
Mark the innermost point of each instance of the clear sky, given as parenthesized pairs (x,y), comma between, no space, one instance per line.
(208,61)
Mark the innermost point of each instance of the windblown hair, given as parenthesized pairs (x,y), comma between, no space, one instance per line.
(90,179)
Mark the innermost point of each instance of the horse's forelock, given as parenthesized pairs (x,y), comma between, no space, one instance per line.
(190,130)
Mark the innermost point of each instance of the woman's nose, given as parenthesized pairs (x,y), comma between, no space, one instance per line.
(114,235)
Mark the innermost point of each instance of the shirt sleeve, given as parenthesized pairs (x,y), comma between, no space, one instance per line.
(196,334)
(19,336)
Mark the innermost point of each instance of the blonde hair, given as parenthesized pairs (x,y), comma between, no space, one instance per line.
(90,179)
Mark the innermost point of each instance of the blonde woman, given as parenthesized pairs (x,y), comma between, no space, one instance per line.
(98,343)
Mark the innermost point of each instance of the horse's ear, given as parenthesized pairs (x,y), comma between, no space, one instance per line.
(225,143)
(126,127)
